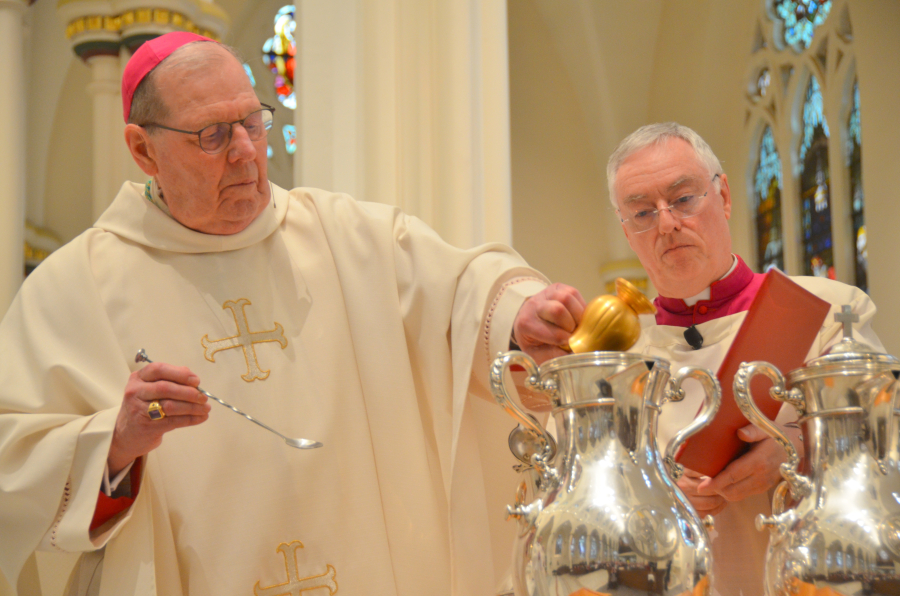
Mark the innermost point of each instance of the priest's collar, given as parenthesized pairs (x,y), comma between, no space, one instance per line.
(138,218)
(732,294)
(153,193)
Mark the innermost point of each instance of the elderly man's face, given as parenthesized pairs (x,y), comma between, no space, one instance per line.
(681,256)
(214,194)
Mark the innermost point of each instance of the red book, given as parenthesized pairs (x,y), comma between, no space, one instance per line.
(780,328)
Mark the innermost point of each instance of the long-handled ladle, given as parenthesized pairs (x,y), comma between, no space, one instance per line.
(298,443)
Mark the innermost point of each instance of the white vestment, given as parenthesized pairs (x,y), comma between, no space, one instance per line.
(345,322)
(738,548)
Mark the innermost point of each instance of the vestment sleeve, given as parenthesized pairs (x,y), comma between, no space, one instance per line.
(61,383)
(484,289)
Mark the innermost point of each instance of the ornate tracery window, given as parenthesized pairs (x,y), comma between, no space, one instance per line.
(806,182)
(796,20)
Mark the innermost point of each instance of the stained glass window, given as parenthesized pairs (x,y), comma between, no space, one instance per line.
(815,198)
(290,138)
(857,202)
(279,52)
(797,20)
(767,184)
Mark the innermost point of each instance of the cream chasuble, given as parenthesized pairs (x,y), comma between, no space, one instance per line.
(738,548)
(329,319)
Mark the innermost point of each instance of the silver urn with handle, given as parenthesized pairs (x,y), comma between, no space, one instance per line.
(835,524)
(608,518)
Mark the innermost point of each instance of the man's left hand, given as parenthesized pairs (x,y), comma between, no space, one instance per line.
(753,473)
(546,320)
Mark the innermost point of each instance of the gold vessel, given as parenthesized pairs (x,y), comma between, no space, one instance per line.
(610,323)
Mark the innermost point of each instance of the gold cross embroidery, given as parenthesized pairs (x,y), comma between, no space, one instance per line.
(296,585)
(245,340)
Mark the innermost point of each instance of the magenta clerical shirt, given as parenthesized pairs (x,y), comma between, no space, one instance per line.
(727,296)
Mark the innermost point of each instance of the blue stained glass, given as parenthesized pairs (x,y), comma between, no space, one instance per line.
(815,193)
(290,138)
(768,184)
(769,163)
(813,116)
(799,19)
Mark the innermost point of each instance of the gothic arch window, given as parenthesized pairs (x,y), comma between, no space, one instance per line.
(805,179)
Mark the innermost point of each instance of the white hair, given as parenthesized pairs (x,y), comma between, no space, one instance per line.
(657,134)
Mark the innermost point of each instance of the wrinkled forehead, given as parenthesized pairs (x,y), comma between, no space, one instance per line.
(660,170)
(199,78)
(193,60)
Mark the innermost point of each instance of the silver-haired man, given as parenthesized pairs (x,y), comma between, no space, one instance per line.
(674,202)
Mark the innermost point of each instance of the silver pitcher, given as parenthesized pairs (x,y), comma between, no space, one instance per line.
(835,527)
(609,519)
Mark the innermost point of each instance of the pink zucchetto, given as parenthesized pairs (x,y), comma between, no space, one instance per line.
(147,57)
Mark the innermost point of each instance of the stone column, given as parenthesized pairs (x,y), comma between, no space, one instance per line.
(109,146)
(12,149)
(407,103)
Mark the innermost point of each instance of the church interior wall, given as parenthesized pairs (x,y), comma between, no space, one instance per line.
(558,212)
(876,26)
(66,172)
(48,61)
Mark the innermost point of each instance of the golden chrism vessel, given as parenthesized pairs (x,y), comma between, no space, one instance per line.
(610,323)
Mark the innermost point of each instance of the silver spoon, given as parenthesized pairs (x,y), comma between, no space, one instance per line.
(298,443)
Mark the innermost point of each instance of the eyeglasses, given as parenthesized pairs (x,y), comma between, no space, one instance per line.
(216,137)
(643,219)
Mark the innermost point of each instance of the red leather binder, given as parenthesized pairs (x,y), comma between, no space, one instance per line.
(779,328)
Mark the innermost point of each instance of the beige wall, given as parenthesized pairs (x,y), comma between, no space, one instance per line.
(876,25)
(66,174)
(559,218)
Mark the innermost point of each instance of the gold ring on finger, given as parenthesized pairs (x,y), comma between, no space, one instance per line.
(155,411)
